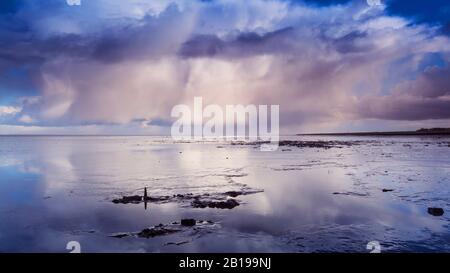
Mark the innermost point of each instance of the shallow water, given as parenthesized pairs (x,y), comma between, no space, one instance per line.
(59,189)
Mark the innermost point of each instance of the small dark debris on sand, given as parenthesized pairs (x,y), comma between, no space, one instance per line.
(387,190)
(120,235)
(137,199)
(305,144)
(436,211)
(351,194)
(176,243)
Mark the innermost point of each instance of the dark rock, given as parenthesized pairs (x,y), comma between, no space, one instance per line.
(199,204)
(387,190)
(228,204)
(128,199)
(436,211)
(120,235)
(156,231)
(188,222)
(157,198)
(233,193)
(167,229)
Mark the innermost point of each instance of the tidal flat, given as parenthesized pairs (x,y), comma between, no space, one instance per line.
(153,194)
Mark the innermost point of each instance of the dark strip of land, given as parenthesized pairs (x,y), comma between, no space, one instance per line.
(420,132)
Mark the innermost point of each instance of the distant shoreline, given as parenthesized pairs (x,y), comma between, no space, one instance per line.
(421,132)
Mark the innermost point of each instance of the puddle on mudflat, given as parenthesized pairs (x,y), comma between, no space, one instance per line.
(312,195)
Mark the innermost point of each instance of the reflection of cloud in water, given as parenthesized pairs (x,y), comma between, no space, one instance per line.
(59,189)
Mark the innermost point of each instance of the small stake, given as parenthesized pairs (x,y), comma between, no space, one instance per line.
(145,198)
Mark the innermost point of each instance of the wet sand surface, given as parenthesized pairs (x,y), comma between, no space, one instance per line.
(314,194)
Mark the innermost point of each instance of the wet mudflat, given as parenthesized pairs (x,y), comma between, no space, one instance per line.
(147,194)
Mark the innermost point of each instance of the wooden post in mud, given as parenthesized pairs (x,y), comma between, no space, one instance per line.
(145,198)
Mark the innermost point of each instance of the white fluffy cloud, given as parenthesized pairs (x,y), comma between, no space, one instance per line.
(9,110)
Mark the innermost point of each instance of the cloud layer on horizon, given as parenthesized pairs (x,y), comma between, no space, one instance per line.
(109,63)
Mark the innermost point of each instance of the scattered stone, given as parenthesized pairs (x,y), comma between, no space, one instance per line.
(213,200)
(166,229)
(436,211)
(188,222)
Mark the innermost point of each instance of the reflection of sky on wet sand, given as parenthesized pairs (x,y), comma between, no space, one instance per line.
(59,189)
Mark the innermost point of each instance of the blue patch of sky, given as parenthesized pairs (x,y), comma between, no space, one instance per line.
(398,70)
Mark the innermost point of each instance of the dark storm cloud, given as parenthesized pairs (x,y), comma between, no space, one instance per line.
(244,44)
(149,37)
(135,39)
(353,42)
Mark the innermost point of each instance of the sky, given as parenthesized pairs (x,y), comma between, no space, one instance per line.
(119,67)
